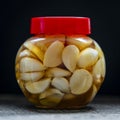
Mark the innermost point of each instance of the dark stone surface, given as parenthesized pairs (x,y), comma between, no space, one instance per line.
(15,107)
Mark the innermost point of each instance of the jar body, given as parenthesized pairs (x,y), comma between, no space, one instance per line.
(60,71)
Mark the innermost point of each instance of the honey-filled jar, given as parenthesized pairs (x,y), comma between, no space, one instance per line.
(60,66)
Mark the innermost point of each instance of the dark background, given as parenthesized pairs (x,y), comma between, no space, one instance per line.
(14,30)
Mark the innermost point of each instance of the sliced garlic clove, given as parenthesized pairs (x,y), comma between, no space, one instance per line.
(18,53)
(97,47)
(22,85)
(61,84)
(87,58)
(53,54)
(70,57)
(51,97)
(37,51)
(39,86)
(26,53)
(80,82)
(94,92)
(40,42)
(99,69)
(57,72)
(49,92)
(47,40)
(80,41)
(31,76)
(29,65)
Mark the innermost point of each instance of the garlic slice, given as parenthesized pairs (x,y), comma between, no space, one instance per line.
(53,54)
(80,82)
(31,76)
(80,41)
(30,64)
(61,84)
(37,51)
(70,57)
(99,69)
(39,86)
(27,53)
(94,92)
(87,57)
(57,72)
(98,48)
(44,42)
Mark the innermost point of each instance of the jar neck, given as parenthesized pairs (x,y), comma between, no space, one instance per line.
(70,34)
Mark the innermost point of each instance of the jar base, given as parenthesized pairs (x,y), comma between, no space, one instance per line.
(62,108)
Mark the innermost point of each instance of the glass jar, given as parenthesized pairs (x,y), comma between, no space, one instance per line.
(60,66)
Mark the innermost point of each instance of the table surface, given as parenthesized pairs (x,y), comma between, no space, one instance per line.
(16,107)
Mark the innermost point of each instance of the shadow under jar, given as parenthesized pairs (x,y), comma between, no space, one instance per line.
(60,67)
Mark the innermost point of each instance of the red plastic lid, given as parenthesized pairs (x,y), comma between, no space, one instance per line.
(63,25)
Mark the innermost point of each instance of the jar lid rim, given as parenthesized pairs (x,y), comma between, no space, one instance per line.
(60,24)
